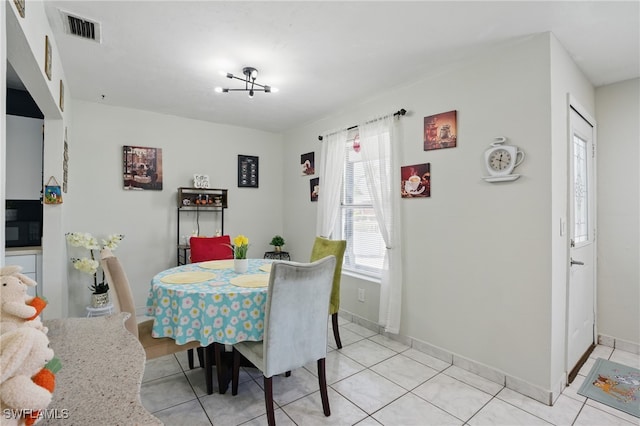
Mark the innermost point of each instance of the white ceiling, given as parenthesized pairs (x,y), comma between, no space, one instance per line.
(165,56)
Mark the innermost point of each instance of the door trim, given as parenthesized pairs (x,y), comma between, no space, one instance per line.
(575,105)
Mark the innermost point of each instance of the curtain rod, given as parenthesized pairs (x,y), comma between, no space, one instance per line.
(399,113)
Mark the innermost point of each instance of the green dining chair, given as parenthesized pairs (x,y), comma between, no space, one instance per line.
(323,247)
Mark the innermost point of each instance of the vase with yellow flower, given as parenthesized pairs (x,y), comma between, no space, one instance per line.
(240,247)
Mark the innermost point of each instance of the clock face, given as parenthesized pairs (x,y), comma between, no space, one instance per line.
(500,160)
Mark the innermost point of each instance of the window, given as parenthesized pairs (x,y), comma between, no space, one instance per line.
(358,225)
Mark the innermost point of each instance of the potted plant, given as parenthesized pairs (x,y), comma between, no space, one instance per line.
(240,247)
(277,242)
(100,295)
(89,264)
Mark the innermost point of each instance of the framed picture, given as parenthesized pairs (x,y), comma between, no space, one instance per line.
(20,4)
(247,171)
(440,130)
(47,57)
(314,188)
(201,181)
(307,164)
(65,163)
(416,181)
(52,192)
(61,96)
(142,168)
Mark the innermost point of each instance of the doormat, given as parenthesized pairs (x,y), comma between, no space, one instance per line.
(615,385)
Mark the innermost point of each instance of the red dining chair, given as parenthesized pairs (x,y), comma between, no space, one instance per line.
(204,249)
(210,248)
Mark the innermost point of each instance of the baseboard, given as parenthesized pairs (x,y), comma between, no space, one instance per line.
(514,383)
(623,345)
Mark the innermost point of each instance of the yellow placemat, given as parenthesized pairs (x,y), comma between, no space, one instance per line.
(192,277)
(251,280)
(217,264)
(266,267)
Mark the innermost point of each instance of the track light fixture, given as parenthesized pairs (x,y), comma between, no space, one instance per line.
(250,85)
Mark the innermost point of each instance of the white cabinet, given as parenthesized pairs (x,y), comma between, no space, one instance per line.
(31,266)
(24,158)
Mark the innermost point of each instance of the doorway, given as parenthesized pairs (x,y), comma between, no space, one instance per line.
(581,282)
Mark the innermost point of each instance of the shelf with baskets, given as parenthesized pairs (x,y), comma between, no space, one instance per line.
(195,201)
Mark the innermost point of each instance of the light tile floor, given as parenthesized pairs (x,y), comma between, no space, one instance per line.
(372,381)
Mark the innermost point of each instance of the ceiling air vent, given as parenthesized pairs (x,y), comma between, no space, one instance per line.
(81,27)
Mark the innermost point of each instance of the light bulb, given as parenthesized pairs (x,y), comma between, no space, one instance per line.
(274,90)
(254,74)
(251,94)
(218,90)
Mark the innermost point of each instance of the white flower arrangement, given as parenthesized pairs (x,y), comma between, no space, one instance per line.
(90,265)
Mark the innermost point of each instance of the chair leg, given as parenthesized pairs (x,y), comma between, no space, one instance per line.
(336,333)
(220,368)
(268,401)
(235,375)
(208,367)
(322,382)
(190,358)
(200,351)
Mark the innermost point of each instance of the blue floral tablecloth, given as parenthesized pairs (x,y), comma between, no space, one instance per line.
(210,311)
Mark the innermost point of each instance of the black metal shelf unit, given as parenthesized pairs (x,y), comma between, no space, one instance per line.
(205,200)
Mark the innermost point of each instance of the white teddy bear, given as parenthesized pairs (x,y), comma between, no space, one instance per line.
(17,308)
(24,352)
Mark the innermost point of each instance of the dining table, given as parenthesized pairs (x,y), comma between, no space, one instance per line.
(212,303)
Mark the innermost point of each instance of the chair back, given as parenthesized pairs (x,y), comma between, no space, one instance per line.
(323,247)
(296,314)
(210,248)
(119,288)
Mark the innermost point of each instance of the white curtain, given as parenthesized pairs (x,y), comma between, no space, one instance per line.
(380,154)
(332,155)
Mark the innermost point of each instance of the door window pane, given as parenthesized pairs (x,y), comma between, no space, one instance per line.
(580,191)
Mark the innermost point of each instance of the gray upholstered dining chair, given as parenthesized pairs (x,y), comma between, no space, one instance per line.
(295,326)
(123,302)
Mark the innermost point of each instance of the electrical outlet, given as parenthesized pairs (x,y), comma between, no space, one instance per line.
(361,295)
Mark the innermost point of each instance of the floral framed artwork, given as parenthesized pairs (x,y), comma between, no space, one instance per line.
(47,57)
(247,171)
(416,181)
(142,168)
(314,189)
(307,164)
(440,130)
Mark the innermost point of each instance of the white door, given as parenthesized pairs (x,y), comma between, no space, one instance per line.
(581,286)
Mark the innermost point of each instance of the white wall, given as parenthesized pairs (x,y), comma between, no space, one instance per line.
(617,111)
(97,203)
(566,82)
(3,111)
(477,263)
(25,45)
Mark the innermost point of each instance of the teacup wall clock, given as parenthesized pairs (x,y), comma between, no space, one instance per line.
(500,160)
